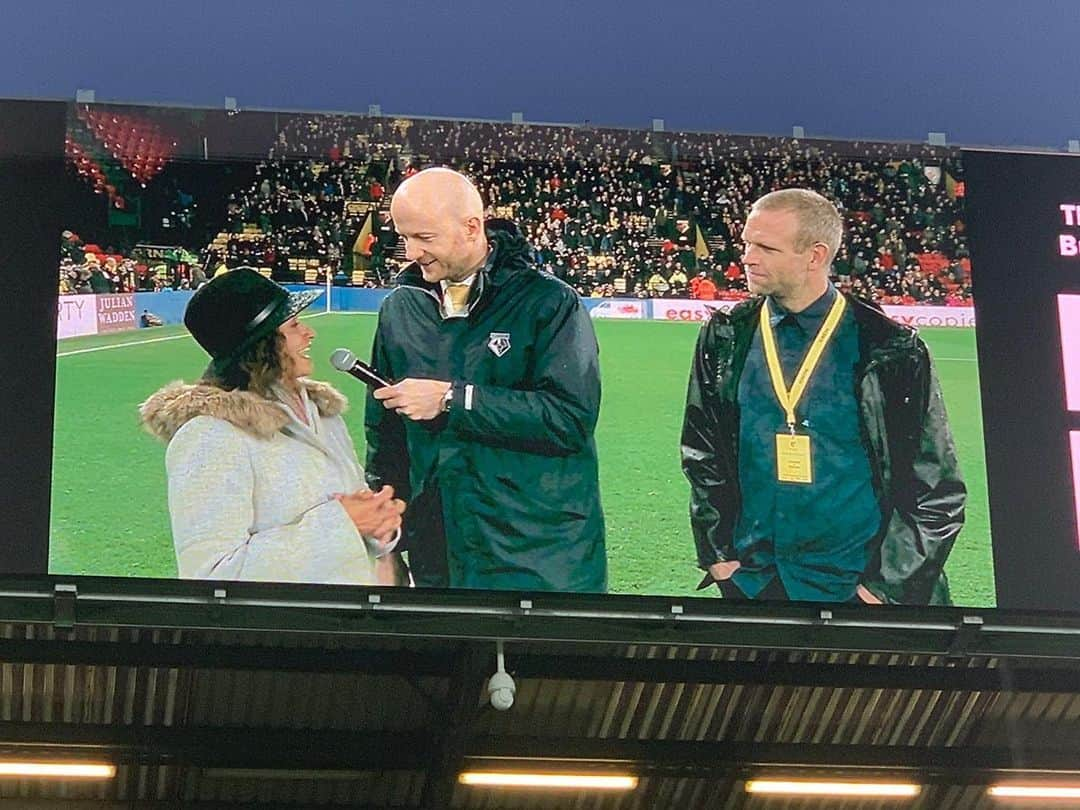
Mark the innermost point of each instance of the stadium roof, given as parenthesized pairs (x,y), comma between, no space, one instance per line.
(235,695)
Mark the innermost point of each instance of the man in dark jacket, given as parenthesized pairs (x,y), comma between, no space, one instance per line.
(815,437)
(488,431)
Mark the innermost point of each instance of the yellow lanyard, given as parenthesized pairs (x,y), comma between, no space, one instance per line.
(789,399)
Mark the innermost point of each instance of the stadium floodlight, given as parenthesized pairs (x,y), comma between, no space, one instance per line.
(811,788)
(1034,791)
(549,780)
(56,770)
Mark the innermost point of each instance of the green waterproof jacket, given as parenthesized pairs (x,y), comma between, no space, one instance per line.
(502,490)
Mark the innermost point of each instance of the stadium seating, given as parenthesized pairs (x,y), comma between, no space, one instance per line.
(138,144)
(110,150)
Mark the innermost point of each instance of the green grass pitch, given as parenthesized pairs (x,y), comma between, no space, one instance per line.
(109,513)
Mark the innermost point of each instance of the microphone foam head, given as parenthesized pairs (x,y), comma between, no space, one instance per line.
(342,359)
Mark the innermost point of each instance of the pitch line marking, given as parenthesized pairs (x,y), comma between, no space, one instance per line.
(120,345)
(148,340)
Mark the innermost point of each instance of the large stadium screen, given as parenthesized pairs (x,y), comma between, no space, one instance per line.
(646,228)
(1023,220)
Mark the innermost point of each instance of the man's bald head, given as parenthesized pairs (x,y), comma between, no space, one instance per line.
(440,189)
(440,215)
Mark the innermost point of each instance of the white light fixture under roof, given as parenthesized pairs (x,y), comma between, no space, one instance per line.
(1035,791)
(23,769)
(814,788)
(581,781)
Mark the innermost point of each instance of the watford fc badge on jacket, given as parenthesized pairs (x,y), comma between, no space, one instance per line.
(499,343)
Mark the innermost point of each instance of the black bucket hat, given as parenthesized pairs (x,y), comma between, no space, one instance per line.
(231,313)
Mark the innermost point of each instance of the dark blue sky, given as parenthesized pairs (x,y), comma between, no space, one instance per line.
(991,72)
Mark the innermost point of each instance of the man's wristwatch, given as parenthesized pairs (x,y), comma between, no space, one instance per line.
(447,399)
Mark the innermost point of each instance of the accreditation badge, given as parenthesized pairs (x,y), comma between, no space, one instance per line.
(793,459)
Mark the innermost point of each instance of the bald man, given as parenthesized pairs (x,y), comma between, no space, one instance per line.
(488,431)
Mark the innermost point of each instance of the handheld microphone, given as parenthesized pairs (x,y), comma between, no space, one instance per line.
(344,360)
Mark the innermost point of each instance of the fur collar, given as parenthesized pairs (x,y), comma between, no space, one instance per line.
(167,410)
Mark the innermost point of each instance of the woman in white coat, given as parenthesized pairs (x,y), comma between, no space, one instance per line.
(264,481)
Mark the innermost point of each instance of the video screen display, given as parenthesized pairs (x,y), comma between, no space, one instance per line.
(1069,318)
(559,446)
(1074,444)
(1022,216)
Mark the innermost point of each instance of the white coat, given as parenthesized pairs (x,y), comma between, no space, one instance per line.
(251,488)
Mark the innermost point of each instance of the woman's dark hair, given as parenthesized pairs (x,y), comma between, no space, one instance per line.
(256,369)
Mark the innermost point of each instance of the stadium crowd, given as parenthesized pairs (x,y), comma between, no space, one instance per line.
(613,212)
(87,268)
(641,213)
